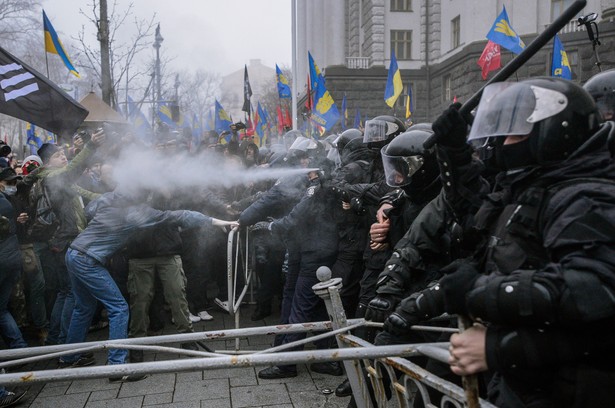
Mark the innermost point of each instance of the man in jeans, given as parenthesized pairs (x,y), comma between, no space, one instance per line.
(114,218)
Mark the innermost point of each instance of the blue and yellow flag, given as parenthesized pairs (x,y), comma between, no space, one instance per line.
(222,121)
(344,112)
(283,87)
(394,84)
(315,74)
(409,108)
(54,45)
(165,115)
(143,129)
(325,111)
(560,66)
(357,119)
(209,122)
(261,126)
(504,35)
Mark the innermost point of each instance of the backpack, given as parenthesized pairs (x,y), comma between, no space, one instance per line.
(45,222)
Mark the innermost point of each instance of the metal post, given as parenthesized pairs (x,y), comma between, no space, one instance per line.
(157,43)
(329,290)
(294,63)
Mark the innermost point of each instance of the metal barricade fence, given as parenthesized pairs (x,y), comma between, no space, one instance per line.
(373,371)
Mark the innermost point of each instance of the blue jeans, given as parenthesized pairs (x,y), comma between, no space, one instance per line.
(9,275)
(91,282)
(64,304)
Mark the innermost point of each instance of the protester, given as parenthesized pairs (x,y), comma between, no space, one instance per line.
(115,217)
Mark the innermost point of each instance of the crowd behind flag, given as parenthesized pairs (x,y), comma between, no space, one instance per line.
(53,45)
(504,35)
(560,66)
(394,85)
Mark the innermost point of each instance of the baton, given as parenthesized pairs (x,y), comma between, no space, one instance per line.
(516,63)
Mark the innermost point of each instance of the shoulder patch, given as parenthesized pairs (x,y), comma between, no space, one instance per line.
(311,190)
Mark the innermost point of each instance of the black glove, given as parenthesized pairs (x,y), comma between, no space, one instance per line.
(451,127)
(340,193)
(458,280)
(380,307)
(356,204)
(406,315)
(414,309)
(261,226)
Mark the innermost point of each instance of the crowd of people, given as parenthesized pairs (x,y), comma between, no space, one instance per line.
(511,226)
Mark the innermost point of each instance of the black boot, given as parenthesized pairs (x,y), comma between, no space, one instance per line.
(262,310)
(344,389)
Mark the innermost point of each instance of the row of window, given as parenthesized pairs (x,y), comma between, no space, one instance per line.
(557,6)
(401,40)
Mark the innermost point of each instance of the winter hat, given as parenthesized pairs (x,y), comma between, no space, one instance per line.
(47,150)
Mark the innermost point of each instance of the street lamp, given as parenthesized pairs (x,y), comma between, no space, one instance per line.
(157,42)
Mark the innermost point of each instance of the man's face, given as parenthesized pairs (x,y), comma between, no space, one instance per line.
(58,159)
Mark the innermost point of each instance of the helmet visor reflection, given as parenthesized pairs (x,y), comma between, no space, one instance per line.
(398,170)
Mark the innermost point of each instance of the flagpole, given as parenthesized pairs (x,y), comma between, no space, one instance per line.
(294,64)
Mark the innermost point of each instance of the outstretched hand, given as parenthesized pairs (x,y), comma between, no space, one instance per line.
(224,225)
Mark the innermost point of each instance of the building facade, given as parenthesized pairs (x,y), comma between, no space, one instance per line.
(437,44)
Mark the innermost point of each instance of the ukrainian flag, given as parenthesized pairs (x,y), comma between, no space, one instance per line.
(560,66)
(394,84)
(54,45)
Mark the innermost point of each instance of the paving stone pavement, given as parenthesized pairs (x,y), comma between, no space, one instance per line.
(215,388)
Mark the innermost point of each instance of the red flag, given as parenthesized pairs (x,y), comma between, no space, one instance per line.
(490,58)
(287,120)
(308,100)
(280,120)
(455,99)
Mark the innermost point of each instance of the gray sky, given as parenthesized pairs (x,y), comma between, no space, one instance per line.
(215,35)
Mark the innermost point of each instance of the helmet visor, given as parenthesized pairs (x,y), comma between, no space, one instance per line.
(511,108)
(378,130)
(398,170)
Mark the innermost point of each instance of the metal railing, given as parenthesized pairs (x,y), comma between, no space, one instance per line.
(357,62)
(373,371)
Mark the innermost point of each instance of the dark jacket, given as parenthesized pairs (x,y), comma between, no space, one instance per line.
(10,255)
(115,218)
(547,289)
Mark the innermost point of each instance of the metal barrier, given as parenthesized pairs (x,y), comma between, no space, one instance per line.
(372,370)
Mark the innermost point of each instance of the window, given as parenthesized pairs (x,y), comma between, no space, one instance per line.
(401,5)
(455,32)
(558,6)
(446,89)
(401,44)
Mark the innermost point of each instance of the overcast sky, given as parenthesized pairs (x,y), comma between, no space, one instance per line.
(215,35)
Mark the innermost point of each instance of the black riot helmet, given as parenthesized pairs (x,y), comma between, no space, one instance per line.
(381,130)
(552,117)
(407,164)
(356,150)
(346,136)
(602,88)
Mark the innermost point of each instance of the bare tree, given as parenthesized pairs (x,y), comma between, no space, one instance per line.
(198,92)
(122,55)
(18,19)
